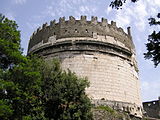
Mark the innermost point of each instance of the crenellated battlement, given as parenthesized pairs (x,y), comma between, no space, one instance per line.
(98,50)
(80,28)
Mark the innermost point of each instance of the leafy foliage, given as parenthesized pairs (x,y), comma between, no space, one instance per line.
(20,88)
(40,90)
(117,4)
(10,50)
(106,108)
(153,45)
(33,89)
(27,78)
(5,103)
(64,95)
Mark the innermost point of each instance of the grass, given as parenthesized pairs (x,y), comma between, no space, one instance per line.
(106,108)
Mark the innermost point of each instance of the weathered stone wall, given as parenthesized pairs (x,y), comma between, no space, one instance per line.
(80,28)
(100,114)
(111,77)
(127,107)
(99,51)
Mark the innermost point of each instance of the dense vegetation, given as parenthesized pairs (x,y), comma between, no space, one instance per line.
(33,89)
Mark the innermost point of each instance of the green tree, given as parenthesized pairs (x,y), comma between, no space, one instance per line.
(41,90)
(27,103)
(34,89)
(117,4)
(64,94)
(153,45)
(5,103)
(10,55)
(20,89)
(10,50)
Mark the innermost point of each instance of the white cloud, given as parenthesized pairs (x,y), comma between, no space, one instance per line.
(140,13)
(136,14)
(89,10)
(19,1)
(123,20)
(132,14)
(50,11)
(150,89)
(154,3)
(83,9)
(108,10)
(75,8)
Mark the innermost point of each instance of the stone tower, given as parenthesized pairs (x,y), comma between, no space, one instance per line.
(100,51)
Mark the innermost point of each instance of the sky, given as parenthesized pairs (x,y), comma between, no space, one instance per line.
(31,14)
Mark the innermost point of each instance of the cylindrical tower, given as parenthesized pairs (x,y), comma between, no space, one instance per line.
(100,51)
